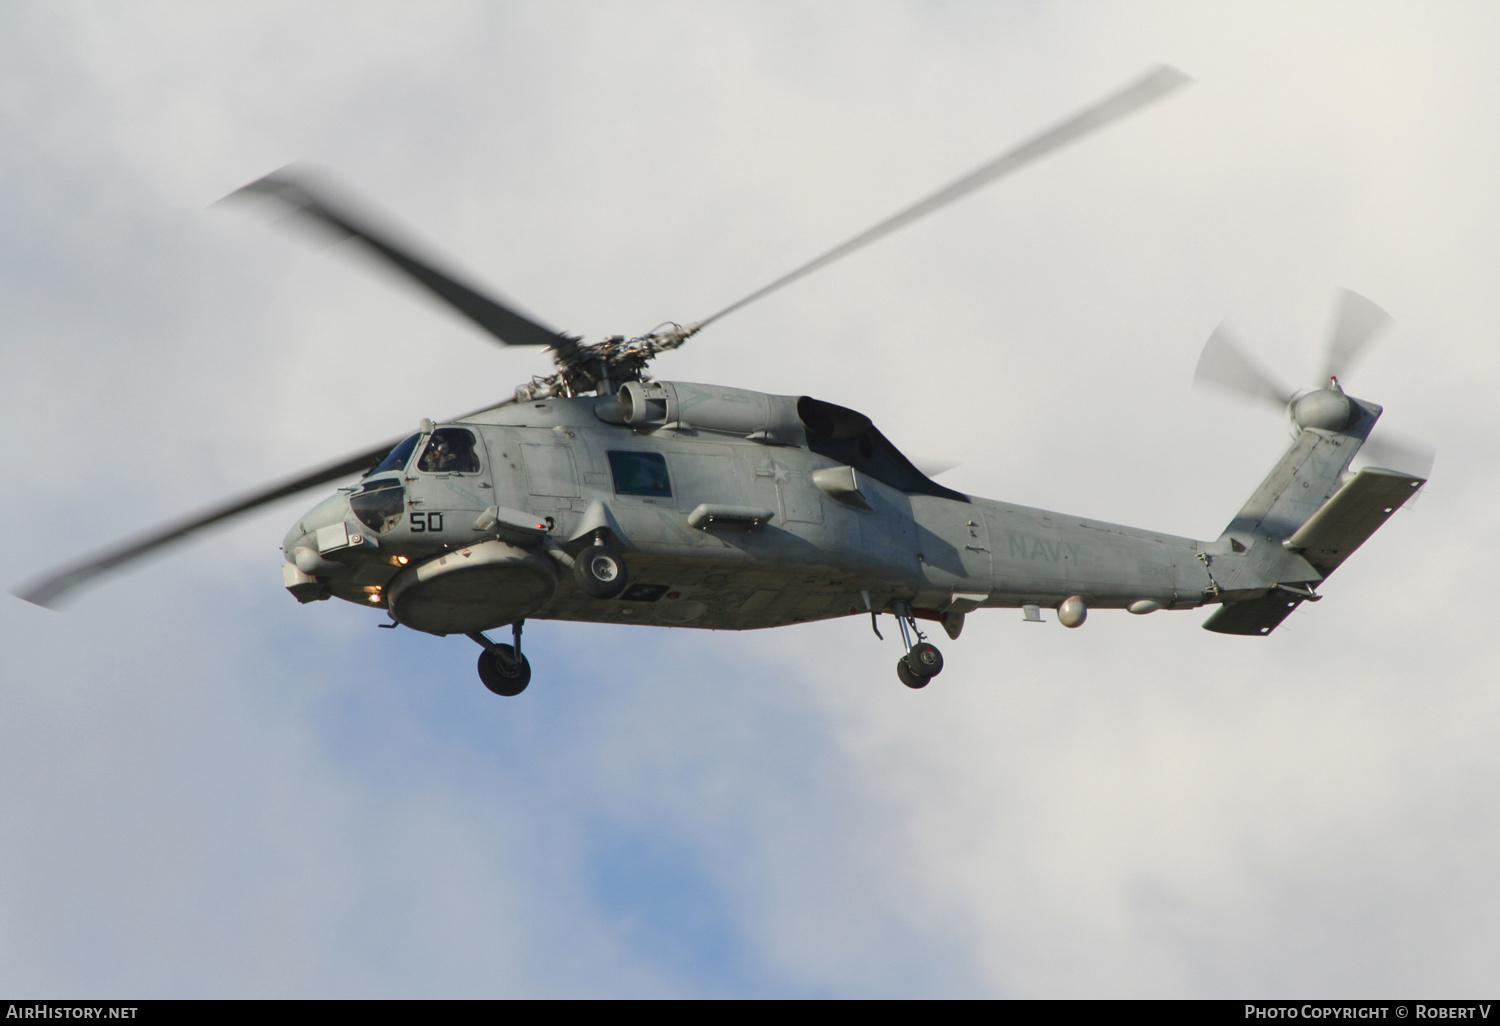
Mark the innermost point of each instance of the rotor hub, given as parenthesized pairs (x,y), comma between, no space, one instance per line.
(602,367)
(1326,409)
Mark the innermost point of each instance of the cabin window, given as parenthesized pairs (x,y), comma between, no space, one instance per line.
(397,458)
(640,473)
(379,504)
(450,451)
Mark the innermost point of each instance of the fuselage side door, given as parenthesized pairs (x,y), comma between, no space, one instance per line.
(551,471)
(448,487)
(705,474)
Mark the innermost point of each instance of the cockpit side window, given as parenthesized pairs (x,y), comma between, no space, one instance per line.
(397,458)
(450,451)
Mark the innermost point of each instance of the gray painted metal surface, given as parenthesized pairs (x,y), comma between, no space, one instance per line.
(738,523)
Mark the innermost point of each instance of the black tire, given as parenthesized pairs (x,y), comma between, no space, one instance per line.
(908,678)
(599,571)
(925,660)
(501,673)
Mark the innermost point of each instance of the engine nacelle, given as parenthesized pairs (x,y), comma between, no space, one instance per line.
(648,405)
(645,403)
(1324,409)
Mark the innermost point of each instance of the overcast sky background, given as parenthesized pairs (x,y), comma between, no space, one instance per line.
(207,790)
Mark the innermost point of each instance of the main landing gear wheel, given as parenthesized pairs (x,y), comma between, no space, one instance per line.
(911,680)
(920,665)
(922,661)
(502,672)
(599,571)
(925,660)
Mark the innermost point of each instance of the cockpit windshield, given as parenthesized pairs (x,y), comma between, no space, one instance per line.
(379,504)
(397,458)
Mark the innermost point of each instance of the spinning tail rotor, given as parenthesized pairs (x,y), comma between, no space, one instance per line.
(1224,364)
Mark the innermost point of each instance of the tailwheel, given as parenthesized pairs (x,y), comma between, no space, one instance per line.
(503,671)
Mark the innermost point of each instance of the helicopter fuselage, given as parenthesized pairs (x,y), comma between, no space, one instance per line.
(730,516)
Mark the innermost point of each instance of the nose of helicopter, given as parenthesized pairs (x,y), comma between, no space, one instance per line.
(307,537)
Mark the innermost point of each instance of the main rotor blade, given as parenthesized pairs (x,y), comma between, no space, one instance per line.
(1154,85)
(1408,456)
(511,327)
(1223,363)
(1356,324)
(50,591)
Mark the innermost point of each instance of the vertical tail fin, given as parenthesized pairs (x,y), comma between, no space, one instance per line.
(1260,564)
(1305,478)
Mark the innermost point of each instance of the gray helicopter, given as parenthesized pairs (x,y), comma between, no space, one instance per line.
(600,494)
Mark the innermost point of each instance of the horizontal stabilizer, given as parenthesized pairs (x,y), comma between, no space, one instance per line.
(1258,616)
(1355,512)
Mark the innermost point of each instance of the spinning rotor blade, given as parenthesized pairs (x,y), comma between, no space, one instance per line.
(1407,456)
(51,590)
(505,324)
(1154,85)
(1225,365)
(1358,321)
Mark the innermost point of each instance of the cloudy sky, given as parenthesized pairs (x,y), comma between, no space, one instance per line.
(206,789)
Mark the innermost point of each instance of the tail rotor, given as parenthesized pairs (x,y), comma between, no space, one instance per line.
(1354,327)
(1223,364)
(1356,323)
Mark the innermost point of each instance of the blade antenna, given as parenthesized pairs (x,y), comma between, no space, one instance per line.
(1152,86)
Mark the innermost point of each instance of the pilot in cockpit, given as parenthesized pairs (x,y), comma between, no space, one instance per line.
(451,451)
(438,456)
